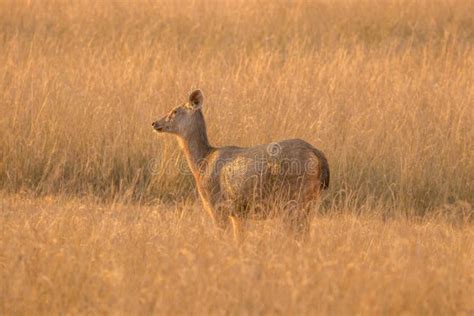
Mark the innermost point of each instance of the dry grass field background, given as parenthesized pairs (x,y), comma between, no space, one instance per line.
(100,215)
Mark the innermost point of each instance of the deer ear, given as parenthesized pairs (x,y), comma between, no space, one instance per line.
(196,99)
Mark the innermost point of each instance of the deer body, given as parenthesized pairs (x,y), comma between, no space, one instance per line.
(236,182)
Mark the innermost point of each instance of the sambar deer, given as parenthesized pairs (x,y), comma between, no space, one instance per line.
(237,183)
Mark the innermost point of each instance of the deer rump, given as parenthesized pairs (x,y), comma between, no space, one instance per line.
(252,181)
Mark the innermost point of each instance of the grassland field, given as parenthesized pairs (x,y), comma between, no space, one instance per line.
(99,215)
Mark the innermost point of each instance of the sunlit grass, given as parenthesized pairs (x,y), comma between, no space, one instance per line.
(100,214)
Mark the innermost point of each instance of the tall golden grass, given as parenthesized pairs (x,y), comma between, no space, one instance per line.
(384,88)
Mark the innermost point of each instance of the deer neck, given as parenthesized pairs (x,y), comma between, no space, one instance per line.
(196,147)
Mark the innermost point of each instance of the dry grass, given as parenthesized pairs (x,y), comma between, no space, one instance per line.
(385,89)
(76,257)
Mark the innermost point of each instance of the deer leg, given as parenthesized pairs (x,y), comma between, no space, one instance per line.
(219,217)
(220,211)
(223,215)
(300,211)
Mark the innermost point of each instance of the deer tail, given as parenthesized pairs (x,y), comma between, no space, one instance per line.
(324,168)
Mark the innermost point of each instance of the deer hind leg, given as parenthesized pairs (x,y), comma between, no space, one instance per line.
(310,196)
(298,214)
